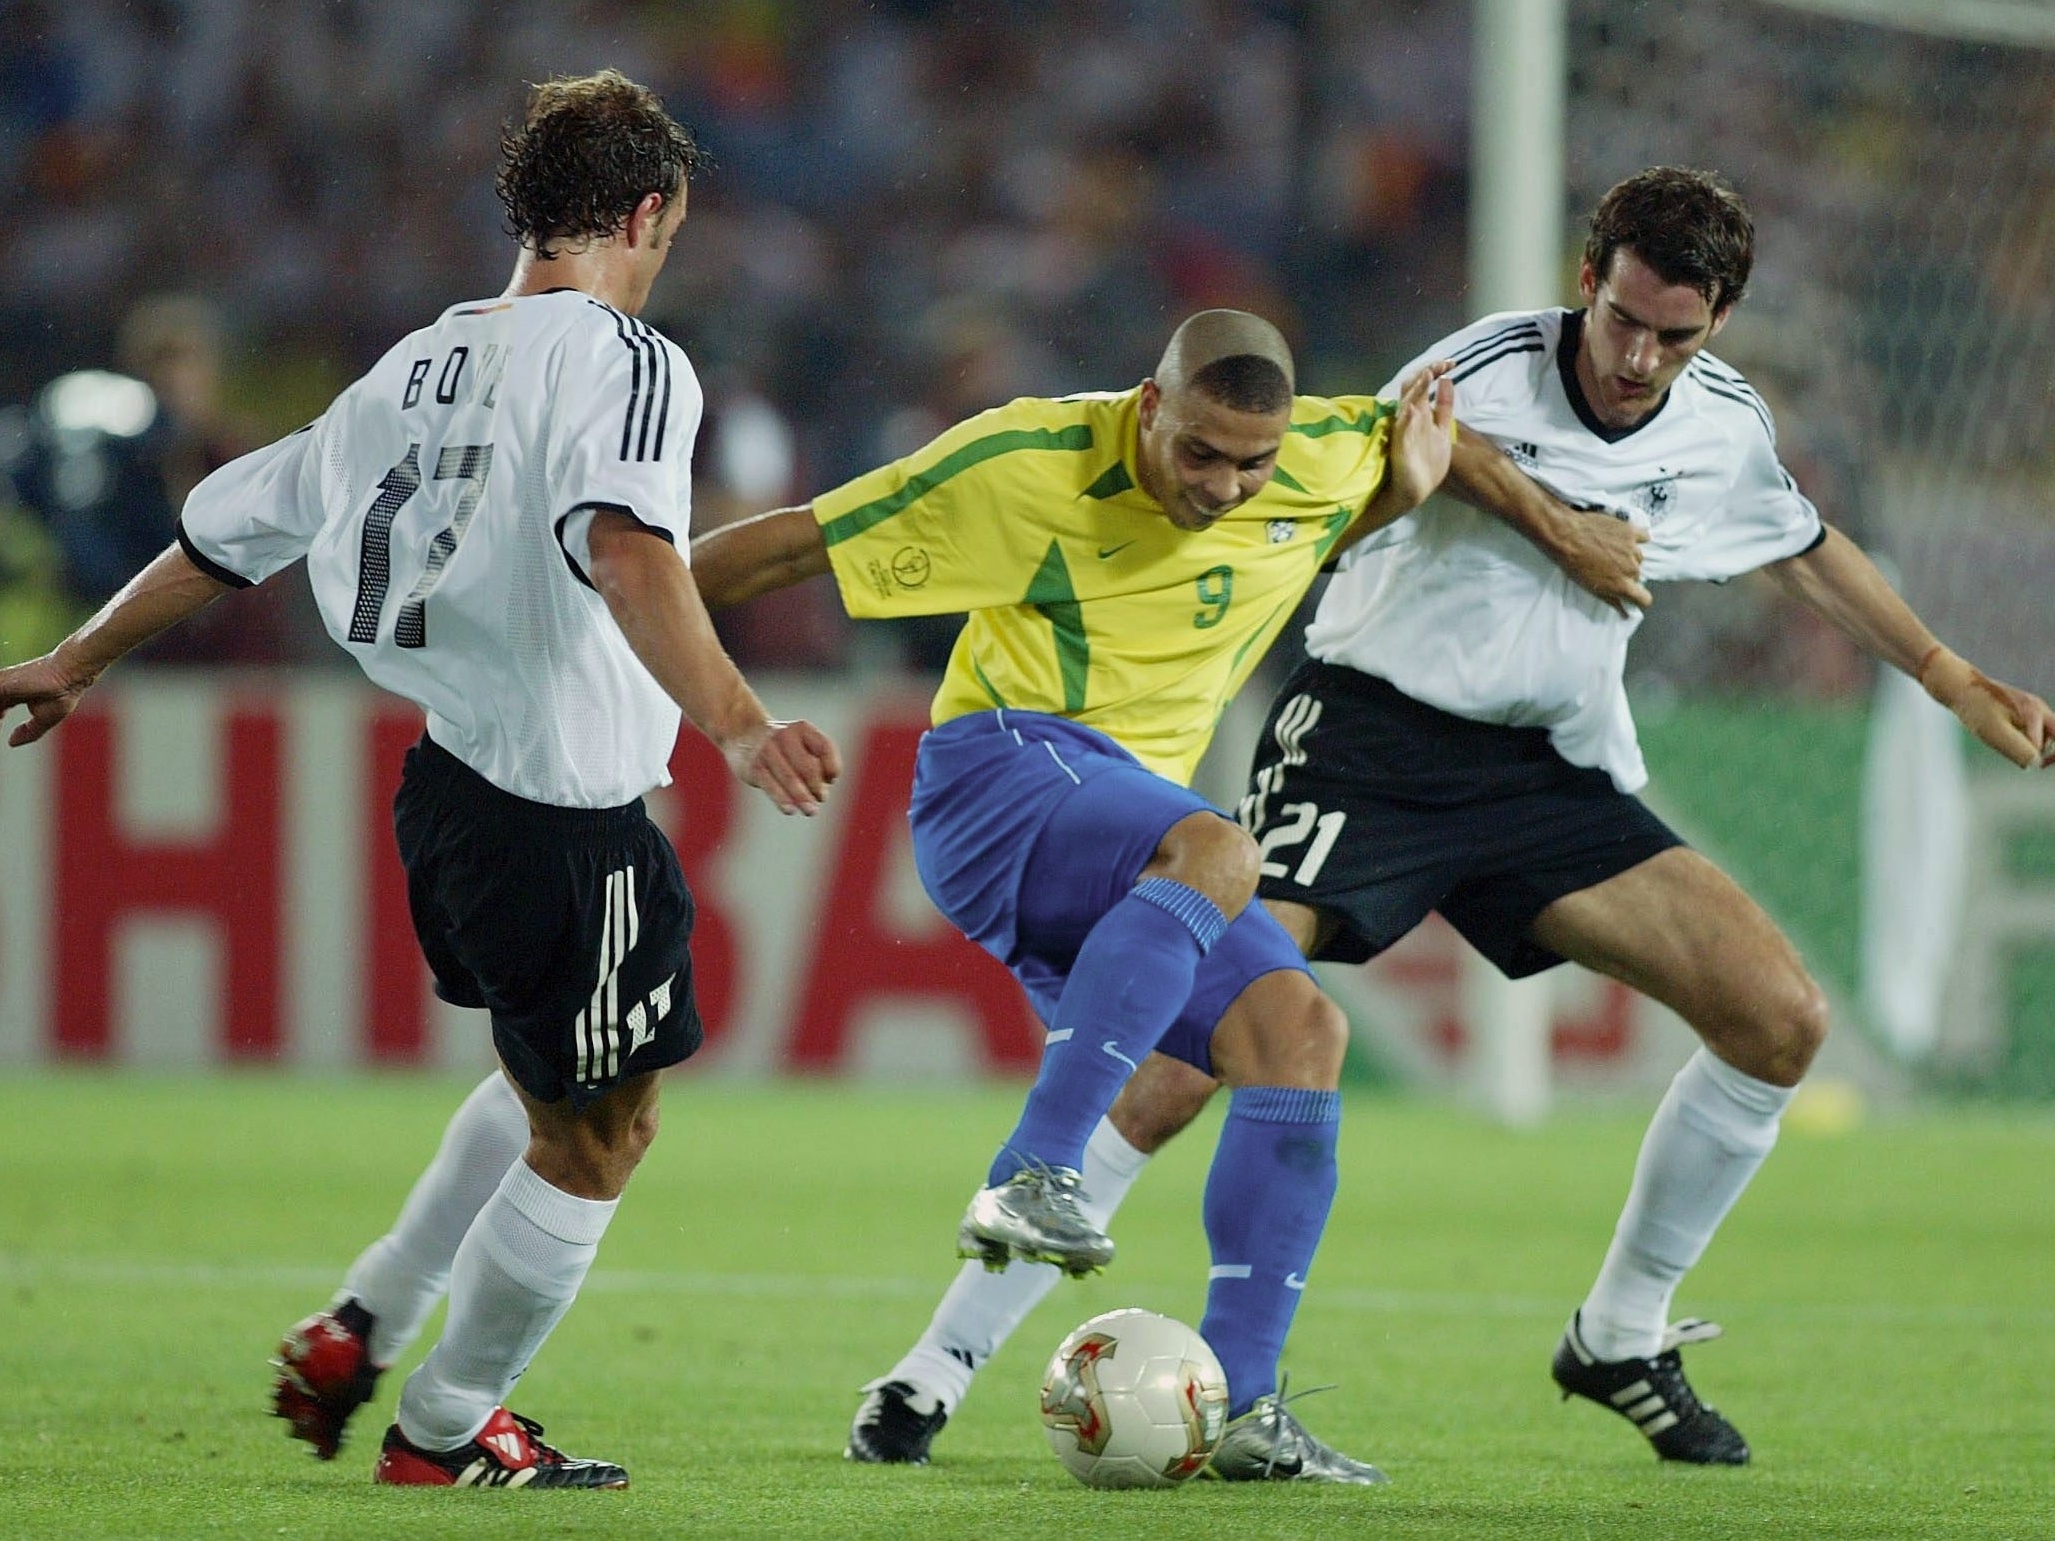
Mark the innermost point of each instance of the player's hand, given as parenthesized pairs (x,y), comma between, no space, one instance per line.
(791,763)
(2012,721)
(1422,434)
(1601,553)
(47,689)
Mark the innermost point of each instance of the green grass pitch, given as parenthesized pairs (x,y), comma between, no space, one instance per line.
(1887,1295)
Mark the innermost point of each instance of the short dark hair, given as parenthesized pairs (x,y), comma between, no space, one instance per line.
(1247,382)
(1690,227)
(587,152)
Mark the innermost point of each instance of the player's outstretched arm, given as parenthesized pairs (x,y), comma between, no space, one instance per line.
(162,594)
(1417,453)
(1600,552)
(649,590)
(1841,583)
(754,556)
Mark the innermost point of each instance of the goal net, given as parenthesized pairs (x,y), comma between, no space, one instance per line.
(1899,157)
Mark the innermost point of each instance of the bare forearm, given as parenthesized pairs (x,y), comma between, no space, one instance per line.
(1416,456)
(1481,475)
(164,593)
(1600,553)
(755,556)
(1388,503)
(1841,583)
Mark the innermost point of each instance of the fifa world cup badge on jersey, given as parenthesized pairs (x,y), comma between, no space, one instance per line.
(910,566)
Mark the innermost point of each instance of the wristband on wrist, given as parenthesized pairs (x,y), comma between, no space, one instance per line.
(1926,662)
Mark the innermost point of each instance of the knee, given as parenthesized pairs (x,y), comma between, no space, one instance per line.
(641,1134)
(1778,1038)
(1300,1041)
(594,1158)
(1325,1037)
(1213,855)
(1806,1017)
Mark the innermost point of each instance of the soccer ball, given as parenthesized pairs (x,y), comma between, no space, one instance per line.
(1133,1399)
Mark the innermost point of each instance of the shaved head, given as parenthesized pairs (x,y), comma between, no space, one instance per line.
(1211,421)
(1237,358)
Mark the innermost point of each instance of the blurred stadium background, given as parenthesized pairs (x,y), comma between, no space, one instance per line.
(919,209)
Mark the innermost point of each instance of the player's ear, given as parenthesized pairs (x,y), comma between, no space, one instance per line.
(1150,400)
(1719,320)
(1587,280)
(644,219)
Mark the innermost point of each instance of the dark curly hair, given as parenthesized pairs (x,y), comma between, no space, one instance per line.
(587,152)
(1689,226)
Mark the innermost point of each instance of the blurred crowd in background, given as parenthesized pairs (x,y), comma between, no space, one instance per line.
(918,209)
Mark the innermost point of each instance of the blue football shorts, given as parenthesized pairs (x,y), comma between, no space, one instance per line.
(1027,828)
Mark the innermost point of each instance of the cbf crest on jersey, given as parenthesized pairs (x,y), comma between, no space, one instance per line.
(1281,530)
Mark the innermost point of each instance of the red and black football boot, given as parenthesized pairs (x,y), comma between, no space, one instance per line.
(508,1452)
(324,1374)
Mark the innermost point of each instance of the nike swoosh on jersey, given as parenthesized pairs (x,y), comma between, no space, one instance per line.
(1113,551)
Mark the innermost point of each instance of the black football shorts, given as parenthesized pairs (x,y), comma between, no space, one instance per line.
(569,925)
(1377,808)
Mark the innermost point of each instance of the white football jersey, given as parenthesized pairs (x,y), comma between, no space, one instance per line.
(1460,611)
(442,503)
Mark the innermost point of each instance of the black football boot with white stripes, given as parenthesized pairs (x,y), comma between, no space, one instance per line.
(893,1427)
(1653,1395)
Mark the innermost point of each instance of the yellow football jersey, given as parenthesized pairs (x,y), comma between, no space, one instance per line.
(1085,601)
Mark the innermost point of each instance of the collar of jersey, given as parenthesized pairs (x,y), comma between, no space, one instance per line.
(1566,366)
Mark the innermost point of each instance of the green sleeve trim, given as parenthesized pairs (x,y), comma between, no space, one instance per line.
(1113,483)
(1337,522)
(978,669)
(868,515)
(1053,596)
(1367,423)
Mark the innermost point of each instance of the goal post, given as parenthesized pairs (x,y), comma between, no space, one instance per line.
(1897,156)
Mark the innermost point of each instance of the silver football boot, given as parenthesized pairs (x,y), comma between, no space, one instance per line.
(1268,1444)
(1034,1216)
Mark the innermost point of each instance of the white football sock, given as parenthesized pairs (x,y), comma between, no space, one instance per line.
(515,1276)
(981,1309)
(1711,1132)
(400,1276)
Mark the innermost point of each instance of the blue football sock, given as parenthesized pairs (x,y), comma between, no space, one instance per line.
(1267,1199)
(1129,983)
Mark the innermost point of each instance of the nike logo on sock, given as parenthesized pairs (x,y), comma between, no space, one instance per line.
(1292,1281)
(1112,1047)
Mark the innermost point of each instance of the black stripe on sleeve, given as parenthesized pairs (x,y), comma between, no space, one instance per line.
(634,379)
(1503,334)
(663,411)
(1464,371)
(653,350)
(207,564)
(1812,545)
(1745,397)
(1705,364)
